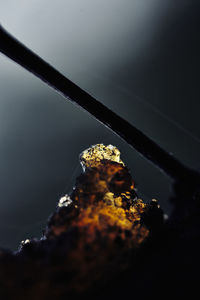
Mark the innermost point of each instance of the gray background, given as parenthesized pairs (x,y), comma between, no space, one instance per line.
(139,57)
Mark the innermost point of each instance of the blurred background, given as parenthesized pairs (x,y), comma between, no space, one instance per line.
(138,57)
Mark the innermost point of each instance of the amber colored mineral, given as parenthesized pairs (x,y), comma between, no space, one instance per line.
(92,234)
(103,203)
(106,215)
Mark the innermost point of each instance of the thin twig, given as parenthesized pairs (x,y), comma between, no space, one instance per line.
(139,141)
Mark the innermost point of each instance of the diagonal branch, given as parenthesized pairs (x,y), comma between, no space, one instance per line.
(139,141)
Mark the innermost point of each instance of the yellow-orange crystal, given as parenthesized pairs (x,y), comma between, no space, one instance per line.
(105,213)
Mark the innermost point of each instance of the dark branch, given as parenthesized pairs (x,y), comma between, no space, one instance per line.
(144,145)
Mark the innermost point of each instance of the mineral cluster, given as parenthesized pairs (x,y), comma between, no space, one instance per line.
(91,236)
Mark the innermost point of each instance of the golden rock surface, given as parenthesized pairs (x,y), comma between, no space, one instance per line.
(93,238)
(105,213)
(92,156)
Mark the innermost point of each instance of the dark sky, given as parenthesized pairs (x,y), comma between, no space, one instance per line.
(139,57)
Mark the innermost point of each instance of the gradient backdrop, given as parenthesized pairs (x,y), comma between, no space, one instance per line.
(138,57)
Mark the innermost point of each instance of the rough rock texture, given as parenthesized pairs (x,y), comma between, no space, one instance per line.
(102,241)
